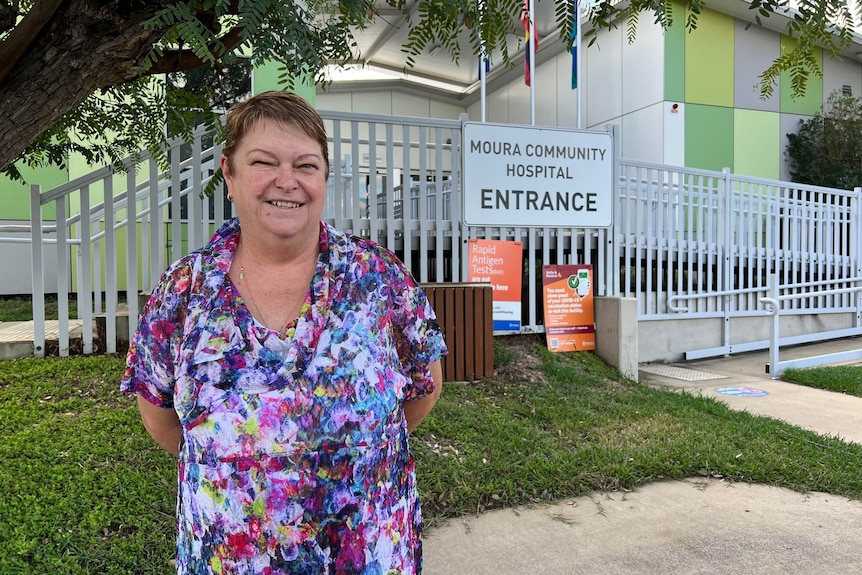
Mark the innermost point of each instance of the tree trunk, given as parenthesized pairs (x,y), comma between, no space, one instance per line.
(87,45)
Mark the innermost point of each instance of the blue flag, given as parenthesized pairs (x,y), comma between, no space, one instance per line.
(573,42)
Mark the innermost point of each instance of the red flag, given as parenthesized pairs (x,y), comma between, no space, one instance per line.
(525,20)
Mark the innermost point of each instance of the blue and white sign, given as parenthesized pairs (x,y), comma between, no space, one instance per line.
(742,391)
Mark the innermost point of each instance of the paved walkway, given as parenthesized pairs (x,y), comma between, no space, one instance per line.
(682,527)
(16,337)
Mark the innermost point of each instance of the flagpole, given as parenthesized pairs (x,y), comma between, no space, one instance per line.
(482,57)
(578,59)
(532,50)
(482,80)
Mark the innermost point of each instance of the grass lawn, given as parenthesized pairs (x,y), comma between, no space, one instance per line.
(86,491)
(841,378)
(18,308)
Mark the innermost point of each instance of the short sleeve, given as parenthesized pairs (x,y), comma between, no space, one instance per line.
(419,337)
(155,346)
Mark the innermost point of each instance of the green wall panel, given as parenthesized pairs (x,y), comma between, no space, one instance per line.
(810,103)
(15,196)
(674,56)
(708,137)
(265,77)
(709,60)
(757,143)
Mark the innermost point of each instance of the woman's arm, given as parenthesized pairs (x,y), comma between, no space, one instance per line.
(415,410)
(162,424)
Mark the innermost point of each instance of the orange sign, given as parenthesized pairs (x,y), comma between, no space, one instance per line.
(499,263)
(569,314)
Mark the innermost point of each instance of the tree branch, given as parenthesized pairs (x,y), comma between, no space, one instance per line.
(180,60)
(24,33)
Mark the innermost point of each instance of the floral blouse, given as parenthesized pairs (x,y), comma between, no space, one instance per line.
(295,455)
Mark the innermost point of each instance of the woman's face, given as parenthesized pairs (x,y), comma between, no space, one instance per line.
(277,177)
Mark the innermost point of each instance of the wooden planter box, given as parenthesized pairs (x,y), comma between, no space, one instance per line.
(464,311)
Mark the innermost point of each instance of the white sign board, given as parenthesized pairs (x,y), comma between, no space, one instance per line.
(531,176)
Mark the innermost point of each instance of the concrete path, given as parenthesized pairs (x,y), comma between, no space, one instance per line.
(682,527)
(16,337)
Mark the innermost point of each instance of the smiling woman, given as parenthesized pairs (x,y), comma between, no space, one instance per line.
(285,365)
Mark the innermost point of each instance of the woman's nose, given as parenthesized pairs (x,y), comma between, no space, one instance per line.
(285,177)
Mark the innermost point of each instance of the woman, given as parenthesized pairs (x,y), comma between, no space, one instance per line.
(285,364)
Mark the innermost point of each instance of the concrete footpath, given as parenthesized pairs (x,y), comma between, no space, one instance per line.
(698,525)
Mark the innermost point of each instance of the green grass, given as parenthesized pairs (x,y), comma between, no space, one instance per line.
(20,308)
(840,378)
(16,308)
(86,491)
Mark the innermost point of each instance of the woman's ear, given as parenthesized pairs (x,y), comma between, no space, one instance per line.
(225,168)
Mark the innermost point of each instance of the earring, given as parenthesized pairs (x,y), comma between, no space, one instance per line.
(230,197)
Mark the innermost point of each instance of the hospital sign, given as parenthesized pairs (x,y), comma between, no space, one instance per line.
(536,176)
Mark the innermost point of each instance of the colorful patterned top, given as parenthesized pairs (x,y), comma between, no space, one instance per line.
(295,455)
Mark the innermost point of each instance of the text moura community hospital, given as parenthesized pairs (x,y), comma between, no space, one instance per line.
(555,151)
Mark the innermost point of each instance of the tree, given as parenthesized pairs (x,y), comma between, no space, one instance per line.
(71,70)
(827,149)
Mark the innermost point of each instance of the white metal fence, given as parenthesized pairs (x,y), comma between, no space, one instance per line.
(685,242)
(701,244)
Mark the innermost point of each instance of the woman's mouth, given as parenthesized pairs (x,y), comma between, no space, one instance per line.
(282,204)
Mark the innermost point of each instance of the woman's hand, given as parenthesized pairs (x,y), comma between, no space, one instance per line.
(415,410)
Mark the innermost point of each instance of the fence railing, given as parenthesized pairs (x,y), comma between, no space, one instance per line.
(708,238)
(773,303)
(712,239)
(116,242)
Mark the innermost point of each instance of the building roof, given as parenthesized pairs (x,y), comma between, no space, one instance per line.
(382,62)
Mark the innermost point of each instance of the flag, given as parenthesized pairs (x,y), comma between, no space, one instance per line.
(525,19)
(573,40)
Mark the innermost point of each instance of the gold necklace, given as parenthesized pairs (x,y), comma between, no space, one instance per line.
(249,299)
(246,294)
(255,310)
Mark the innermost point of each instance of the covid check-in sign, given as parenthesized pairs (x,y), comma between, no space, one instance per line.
(532,176)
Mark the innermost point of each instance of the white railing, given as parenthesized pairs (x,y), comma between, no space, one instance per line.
(709,239)
(137,218)
(773,303)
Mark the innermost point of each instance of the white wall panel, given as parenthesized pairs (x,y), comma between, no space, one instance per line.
(837,74)
(603,82)
(673,120)
(337,102)
(643,130)
(446,111)
(373,102)
(475,111)
(518,103)
(567,99)
(410,105)
(754,51)
(547,77)
(642,69)
(497,106)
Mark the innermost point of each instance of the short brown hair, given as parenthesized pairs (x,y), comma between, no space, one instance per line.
(286,108)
